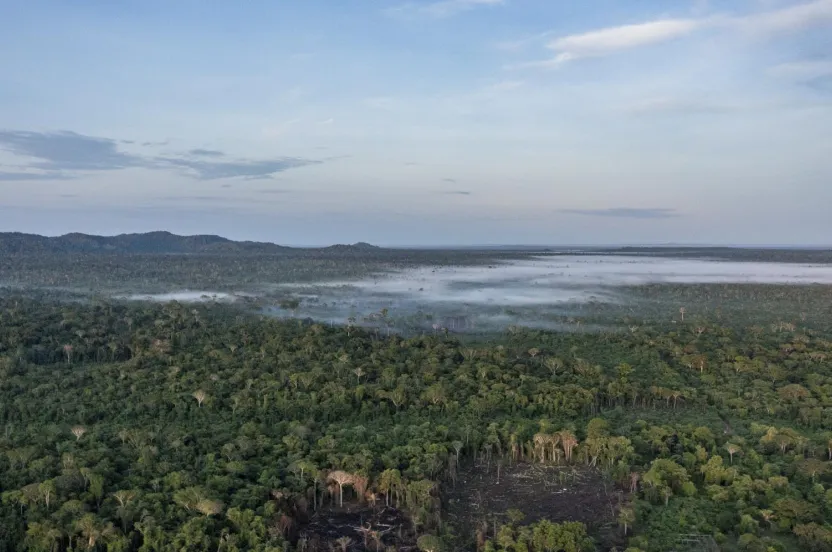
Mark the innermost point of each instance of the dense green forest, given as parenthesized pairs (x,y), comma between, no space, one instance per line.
(132,426)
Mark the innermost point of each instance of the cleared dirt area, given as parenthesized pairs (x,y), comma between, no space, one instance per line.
(556,493)
(366,528)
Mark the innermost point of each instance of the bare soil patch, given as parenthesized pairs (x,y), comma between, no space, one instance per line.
(370,529)
(556,493)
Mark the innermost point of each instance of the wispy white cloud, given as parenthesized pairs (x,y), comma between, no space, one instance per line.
(612,39)
(802,70)
(790,19)
(606,41)
(523,42)
(441,9)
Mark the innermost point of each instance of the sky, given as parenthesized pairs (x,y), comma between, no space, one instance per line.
(423,122)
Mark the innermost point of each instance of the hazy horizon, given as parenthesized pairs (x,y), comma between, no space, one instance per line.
(563,246)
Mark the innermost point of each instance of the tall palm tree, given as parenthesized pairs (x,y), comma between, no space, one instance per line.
(568,441)
(732,450)
(94,531)
(626,517)
(341,478)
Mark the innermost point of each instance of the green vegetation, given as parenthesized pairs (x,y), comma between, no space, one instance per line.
(172,427)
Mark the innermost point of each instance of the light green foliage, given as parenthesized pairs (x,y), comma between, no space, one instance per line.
(664,478)
(429,543)
(543,536)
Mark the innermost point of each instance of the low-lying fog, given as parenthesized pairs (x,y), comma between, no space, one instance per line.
(186,296)
(547,280)
(537,291)
(463,298)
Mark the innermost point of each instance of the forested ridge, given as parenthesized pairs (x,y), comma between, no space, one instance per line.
(177,427)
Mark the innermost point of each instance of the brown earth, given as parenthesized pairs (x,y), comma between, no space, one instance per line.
(359,524)
(556,493)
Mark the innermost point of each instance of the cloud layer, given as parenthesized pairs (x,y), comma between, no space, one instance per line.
(213,170)
(24,176)
(65,155)
(206,153)
(68,151)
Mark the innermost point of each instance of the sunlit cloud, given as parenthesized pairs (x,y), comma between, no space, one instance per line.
(610,40)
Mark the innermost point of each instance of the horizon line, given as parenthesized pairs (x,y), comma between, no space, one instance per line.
(600,246)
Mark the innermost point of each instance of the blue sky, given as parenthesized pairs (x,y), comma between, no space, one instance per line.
(421,122)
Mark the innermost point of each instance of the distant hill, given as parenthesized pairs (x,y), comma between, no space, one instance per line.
(15,243)
(356,247)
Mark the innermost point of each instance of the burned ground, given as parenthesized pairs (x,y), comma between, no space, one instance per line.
(367,528)
(556,493)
